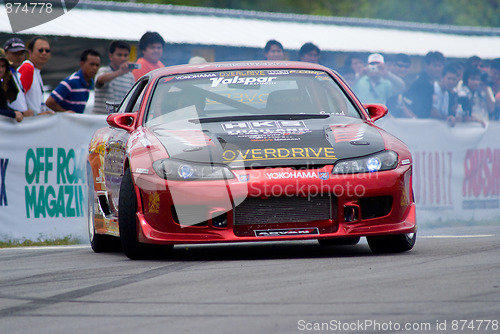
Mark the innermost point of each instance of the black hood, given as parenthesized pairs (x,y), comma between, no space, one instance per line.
(272,143)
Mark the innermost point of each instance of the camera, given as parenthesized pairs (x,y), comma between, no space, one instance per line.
(134,66)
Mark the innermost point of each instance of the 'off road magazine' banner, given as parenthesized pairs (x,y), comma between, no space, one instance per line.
(43,188)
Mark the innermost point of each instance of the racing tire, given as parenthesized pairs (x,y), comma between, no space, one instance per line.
(99,243)
(127,224)
(392,243)
(339,241)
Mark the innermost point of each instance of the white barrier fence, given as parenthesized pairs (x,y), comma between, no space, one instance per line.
(43,191)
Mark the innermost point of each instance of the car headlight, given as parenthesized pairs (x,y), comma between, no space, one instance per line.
(373,163)
(172,169)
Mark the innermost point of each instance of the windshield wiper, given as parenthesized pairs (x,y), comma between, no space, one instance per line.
(258,117)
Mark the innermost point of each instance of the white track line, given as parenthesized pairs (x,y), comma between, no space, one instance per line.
(455,236)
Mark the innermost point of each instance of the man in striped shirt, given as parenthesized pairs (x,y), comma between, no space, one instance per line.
(114,81)
(72,94)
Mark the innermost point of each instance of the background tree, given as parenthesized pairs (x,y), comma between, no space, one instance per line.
(483,13)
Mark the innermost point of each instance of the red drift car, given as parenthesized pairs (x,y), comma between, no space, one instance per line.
(247,151)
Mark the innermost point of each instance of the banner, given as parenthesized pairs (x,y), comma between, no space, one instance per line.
(43,188)
(456,170)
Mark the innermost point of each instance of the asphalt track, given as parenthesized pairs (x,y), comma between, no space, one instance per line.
(299,287)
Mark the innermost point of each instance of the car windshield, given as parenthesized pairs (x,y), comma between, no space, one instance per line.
(212,96)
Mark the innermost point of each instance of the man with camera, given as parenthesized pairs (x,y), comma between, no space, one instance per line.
(377,83)
(114,81)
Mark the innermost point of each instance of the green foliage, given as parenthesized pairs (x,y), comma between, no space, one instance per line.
(40,241)
(484,13)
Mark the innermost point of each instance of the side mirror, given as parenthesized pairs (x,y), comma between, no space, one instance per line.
(122,121)
(376,111)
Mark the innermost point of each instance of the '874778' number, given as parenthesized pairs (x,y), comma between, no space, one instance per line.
(31,7)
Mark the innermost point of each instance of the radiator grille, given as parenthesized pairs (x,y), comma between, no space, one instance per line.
(283,210)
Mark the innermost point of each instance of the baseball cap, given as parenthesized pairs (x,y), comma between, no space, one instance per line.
(14,44)
(375,58)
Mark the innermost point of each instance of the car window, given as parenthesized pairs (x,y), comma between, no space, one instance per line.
(133,99)
(247,92)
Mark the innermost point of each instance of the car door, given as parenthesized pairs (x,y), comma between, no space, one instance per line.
(115,147)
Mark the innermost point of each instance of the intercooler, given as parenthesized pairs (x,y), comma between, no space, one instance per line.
(285,209)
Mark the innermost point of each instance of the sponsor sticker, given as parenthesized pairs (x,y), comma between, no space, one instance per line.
(278,72)
(154,203)
(286,232)
(293,175)
(256,126)
(249,64)
(142,171)
(195,76)
(244,177)
(324,175)
(281,153)
(267,130)
(246,81)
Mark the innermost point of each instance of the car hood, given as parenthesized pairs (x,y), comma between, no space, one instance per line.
(271,143)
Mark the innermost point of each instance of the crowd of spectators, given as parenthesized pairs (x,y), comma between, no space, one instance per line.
(22,93)
(454,91)
(451,90)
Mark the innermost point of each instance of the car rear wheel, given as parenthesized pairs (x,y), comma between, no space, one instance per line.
(392,243)
(339,241)
(98,242)
(127,223)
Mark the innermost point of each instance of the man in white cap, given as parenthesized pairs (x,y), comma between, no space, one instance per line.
(15,52)
(378,84)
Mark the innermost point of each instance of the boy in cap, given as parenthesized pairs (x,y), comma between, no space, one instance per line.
(8,90)
(15,52)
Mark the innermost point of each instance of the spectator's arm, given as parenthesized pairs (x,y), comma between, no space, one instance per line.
(398,84)
(58,95)
(490,99)
(104,78)
(53,104)
(8,112)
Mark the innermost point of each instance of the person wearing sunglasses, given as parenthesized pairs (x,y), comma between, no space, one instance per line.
(30,72)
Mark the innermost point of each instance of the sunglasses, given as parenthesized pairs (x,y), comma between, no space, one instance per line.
(42,50)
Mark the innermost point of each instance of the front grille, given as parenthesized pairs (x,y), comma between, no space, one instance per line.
(374,207)
(282,210)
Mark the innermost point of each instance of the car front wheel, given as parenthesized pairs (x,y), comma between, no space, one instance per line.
(392,243)
(127,223)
